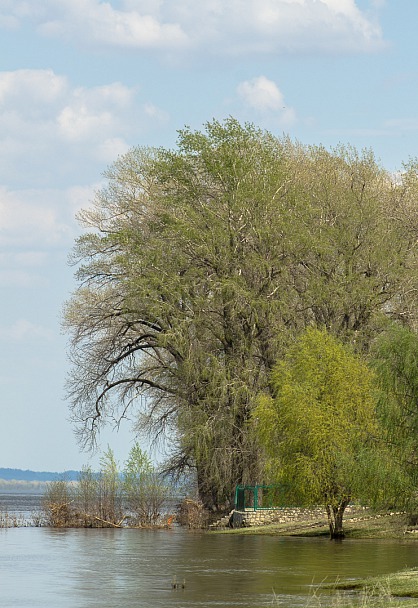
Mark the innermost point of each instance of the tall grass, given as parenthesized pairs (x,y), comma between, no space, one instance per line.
(379,596)
(11,520)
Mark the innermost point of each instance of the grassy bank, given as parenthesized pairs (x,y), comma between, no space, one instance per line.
(402,584)
(396,590)
(392,590)
(364,599)
(361,524)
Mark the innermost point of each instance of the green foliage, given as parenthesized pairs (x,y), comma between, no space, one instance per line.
(321,427)
(58,504)
(144,489)
(137,465)
(87,493)
(395,359)
(201,264)
(109,498)
(110,489)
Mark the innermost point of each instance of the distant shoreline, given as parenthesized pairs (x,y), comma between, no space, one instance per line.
(20,475)
(23,487)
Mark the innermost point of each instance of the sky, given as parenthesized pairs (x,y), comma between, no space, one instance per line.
(82,81)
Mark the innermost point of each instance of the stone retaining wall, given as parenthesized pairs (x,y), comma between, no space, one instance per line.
(261,517)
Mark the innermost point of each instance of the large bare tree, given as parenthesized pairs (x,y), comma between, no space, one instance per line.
(202,263)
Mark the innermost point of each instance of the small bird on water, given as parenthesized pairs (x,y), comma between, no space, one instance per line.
(176,585)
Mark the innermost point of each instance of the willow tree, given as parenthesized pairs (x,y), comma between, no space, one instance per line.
(395,359)
(321,430)
(183,296)
(361,263)
(201,263)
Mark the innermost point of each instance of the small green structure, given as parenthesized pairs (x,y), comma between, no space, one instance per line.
(260,497)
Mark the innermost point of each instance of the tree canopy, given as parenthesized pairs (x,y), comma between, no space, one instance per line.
(395,360)
(200,264)
(321,429)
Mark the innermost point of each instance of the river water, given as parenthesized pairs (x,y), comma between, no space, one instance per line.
(25,507)
(52,568)
(113,568)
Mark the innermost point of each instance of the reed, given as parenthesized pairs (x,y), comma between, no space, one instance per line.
(377,598)
(389,591)
(11,520)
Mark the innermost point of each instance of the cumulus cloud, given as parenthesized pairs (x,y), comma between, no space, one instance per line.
(54,138)
(154,112)
(98,23)
(56,131)
(261,94)
(19,278)
(22,329)
(264,96)
(23,269)
(29,259)
(42,86)
(34,224)
(90,112)
(30,218)
(209,26)
(402,124)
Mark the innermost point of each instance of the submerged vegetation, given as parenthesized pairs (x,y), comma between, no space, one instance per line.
(399,584)
(135,497)
(11,520)
(388,591)
(379,595)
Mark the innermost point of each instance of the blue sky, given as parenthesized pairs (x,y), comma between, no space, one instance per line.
(81,81)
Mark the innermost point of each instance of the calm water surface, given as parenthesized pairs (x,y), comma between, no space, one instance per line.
(24,506)
(48,568)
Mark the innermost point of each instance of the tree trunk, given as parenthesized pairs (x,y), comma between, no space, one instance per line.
(335,520)
(208,492)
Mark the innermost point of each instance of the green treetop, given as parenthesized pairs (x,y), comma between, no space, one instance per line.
(321,426)
(199,266)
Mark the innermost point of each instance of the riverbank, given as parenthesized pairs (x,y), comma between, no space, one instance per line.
(403,584)
(360,523)
(399,589)
(396,590)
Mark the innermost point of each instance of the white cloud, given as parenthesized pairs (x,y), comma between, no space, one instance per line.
(22,279)
(30,259)
(35,225)
(42,86)
(261,94)
(109,150)
(22,329)
(8,22)
(57,131)
(54,136)
(402,124)
(210,26)
(23,269)
(264,96)
(155,113)
(76,123)
(31,218)
(105,25)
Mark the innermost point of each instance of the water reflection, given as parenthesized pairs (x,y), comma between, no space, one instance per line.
(131,568)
